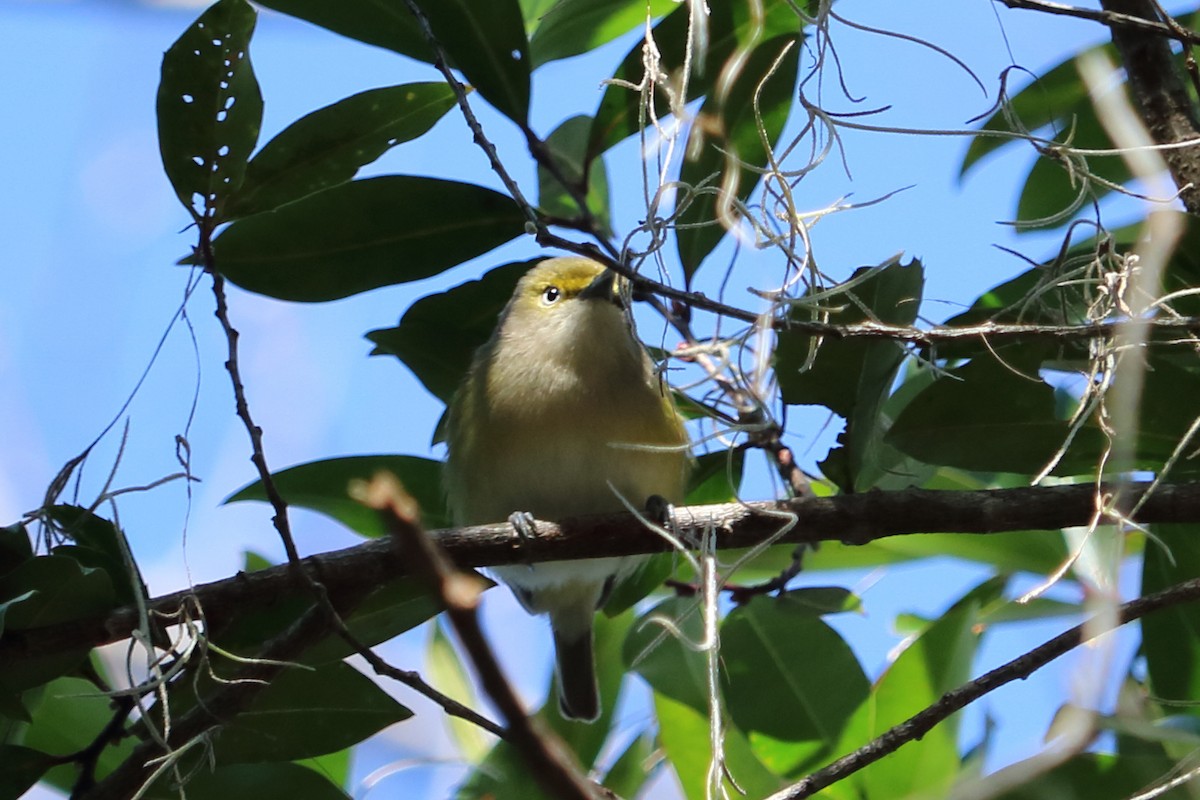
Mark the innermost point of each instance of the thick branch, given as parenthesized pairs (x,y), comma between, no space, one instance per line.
(1160,95)
(854,519)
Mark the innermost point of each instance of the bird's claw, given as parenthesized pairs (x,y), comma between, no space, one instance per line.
(523,525)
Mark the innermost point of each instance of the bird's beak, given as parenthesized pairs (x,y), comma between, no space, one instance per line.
(604,287)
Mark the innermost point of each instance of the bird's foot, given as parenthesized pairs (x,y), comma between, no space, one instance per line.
(523,525)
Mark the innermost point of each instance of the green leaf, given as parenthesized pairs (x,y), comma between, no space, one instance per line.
(322,486)
(567,146)
(447,672)
(716,478)
(986,416)
(439,333)
(335,767)
(209,107)
(388,611)
(572,27)
(1171,637)
(683,732)
(99,546)
(763,642)
(69,716)
(306,713)
(657,653)
(327,147)
(730,25)
(364,234)
(938,660)
(649,574)
(20,769)
(484,40)
(632,768)
(735,139)
(61,590)
(280,781)
(853,378)
(504,775)
(14,547)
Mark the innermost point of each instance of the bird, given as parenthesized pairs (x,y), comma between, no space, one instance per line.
(562,413)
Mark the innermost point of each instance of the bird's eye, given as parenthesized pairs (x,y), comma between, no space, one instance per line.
(550,295)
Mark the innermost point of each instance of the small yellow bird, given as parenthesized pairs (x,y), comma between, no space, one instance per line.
(562,414)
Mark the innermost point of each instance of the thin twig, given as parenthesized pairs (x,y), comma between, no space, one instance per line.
(1112,19)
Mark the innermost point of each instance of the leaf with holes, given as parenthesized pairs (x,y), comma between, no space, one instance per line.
(209,107)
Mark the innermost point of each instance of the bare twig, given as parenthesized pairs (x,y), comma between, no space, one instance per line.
(547,757)
(1112,19)
(1019,668)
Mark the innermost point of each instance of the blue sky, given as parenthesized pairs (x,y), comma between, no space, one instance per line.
(92,230)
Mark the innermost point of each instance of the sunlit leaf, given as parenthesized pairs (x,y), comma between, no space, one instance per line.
(364,234)
(327,147)
(571,27)
(209,107)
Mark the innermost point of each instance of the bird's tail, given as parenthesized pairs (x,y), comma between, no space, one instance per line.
(578,696)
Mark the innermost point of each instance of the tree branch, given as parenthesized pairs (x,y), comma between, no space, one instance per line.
(1020,667)
(1160,94)
(852,519)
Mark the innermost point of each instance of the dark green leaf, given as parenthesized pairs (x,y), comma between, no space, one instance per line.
(20,769)
(648,575)
(716,478)
(68,718)
(99,546)
(1171,637)
(14,547)
(322,486)
(391,609)
(328,146)
(567,146)
(363,235)
(670,667)
(738,128)
(763,642)
(819,600)
(986,416)
(572,27)
(61,590)
(853,378)
(306,713)
(261,781)
(439,334)
(209,107)
(484,40)
(730,25)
